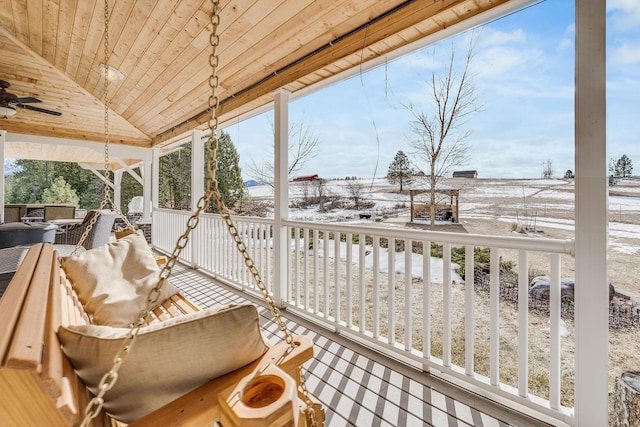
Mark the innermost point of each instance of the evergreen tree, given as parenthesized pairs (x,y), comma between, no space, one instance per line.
(624,167)
(175,179)
(229,174)
(34,176)
(60,192)
(400,171)
(569,174)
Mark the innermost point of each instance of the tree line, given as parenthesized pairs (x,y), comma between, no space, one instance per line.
(39,181)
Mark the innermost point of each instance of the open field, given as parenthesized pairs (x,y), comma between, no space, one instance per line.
(493,206)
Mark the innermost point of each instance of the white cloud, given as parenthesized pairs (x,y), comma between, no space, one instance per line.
(625,54)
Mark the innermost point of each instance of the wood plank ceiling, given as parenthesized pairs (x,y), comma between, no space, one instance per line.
(52,50)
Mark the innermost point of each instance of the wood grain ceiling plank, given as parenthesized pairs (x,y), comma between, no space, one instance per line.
(270,51)
(49,29)
(34,15)
(82,18)
(140,49)
(20,20)
(66,16)
(164,45)
(88,75)
(289,15)
(6,16)
(126,23)
(161,78)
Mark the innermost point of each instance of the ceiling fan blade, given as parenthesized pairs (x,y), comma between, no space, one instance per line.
(27,100)
(40,110)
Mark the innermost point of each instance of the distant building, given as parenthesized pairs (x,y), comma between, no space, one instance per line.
(306,178)
(465,174)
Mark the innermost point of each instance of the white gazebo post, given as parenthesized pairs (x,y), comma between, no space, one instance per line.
(591,218)
(281,194)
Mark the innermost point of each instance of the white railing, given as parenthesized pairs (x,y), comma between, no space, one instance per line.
(212,249)
(338,276)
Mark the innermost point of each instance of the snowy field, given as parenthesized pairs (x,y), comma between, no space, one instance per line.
(542,203)
(491,206)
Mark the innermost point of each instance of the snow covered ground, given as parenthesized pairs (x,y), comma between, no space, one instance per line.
(544,204)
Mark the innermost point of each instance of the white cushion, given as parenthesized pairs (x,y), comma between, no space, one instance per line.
(114,280)
(168,359)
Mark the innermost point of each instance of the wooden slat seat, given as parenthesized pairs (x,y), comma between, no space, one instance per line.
(38,385)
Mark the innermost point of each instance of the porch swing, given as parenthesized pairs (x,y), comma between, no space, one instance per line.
(152,359)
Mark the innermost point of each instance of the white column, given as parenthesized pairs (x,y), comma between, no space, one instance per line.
(197,168)
(281,195)
(155,190)
(155,177)
(591,229)
(3,133)
(117,189)
(197,186)
(147,171)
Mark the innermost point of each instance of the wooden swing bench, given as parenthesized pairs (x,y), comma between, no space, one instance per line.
(38,385)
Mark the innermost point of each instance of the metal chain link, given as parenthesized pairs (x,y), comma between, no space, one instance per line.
(109,379)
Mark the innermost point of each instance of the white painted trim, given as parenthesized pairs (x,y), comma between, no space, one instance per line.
(130,170)
(591,217)
(117,189)
(197,168)
(281,195)
(147,185)
(115,150)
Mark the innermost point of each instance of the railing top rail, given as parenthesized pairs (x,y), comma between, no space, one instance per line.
(507,242)
(252,219)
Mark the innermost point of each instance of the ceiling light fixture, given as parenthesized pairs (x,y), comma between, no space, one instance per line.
(7,111)
(113,74)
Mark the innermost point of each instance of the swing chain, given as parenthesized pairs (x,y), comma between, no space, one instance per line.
(109,379)
(106,200)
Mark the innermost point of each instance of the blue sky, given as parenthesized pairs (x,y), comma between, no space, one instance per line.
(524,74)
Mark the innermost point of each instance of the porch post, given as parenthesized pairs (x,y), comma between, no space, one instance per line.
(281,195)
(591,223)
(3,133)
(197,186)
(155,190)
(146,187)
(197,168)
(117,189)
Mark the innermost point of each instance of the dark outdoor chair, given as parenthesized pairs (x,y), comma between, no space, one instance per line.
(59,212)
(98,236)
(12,214)
(37,214)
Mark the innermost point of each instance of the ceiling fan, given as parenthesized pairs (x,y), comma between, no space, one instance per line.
(9,102)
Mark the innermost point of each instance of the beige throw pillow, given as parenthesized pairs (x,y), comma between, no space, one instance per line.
(114,280)
(168,359)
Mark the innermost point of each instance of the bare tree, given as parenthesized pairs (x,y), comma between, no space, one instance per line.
(547,169)
(322,193)
(356,191)
(302,147)
(439,140)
